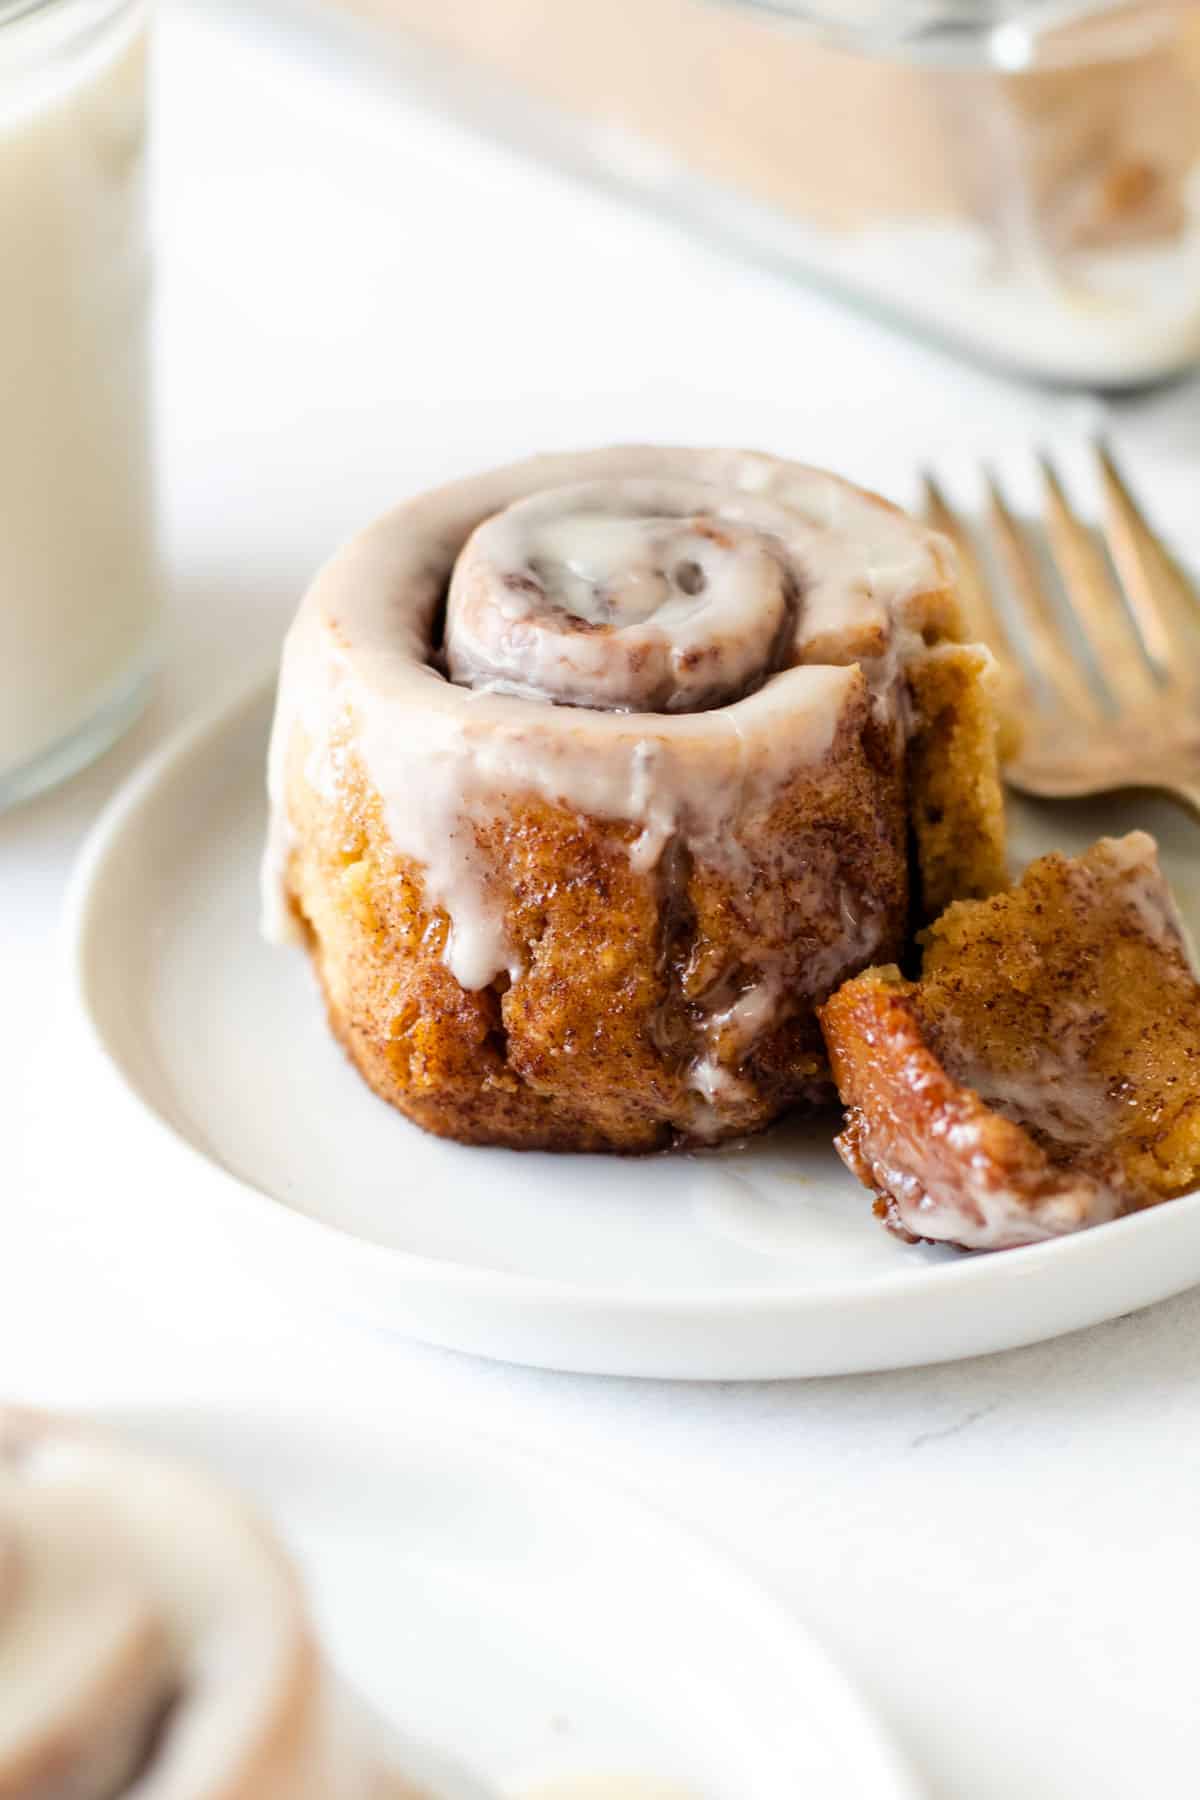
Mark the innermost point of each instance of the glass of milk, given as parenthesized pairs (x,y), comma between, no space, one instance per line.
(79,587)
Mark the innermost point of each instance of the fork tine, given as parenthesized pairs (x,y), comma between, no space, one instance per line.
(1094,599)
(1163,601)
(1059,674)
(983,620)
(1012,696)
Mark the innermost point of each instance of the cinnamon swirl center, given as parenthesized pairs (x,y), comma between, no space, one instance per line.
(630,596)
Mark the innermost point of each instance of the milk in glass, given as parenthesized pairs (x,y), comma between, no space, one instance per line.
(78,576)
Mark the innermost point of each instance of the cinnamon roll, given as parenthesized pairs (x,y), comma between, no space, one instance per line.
(593,776)
(154,1640)
(1042,1075)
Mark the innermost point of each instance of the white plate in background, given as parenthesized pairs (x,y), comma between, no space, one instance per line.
(520,1622)
(763,1261)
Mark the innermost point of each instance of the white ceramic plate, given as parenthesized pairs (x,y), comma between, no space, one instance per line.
(520,1622)
(763,1261)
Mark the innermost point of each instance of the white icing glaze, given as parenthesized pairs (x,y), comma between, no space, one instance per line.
(635,595)
(1145,890)
(153,1641)
(445,756)
(978,1213)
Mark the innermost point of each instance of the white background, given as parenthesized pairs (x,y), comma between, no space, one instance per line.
(357,299)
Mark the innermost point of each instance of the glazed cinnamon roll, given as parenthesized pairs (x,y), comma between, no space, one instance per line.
(591,777)
(154,1640)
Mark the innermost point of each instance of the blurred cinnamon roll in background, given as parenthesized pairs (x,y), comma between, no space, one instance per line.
(593,776)
(154,1639)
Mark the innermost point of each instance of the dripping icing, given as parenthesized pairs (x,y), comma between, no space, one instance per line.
(356,666)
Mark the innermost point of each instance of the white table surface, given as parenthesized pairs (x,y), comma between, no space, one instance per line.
(357,299)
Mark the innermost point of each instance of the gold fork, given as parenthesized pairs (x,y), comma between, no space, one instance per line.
(1119,707)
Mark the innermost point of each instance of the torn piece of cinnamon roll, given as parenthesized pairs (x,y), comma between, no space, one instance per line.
(1043,1074)
(154,1639)
(591,777)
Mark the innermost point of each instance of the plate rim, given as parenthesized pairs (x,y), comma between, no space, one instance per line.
(103,844)
(739,1585)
